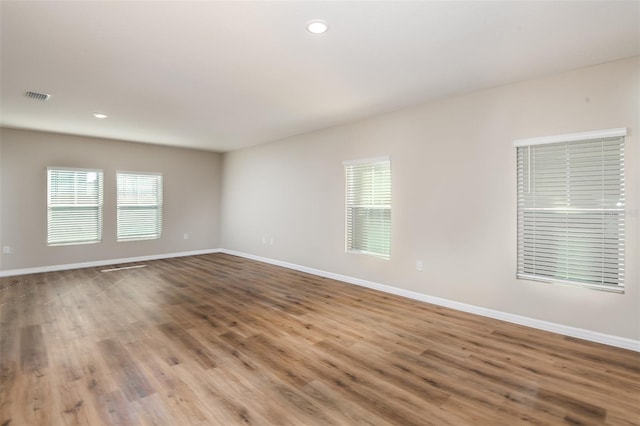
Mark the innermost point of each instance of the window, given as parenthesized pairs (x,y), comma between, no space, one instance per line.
(571,209)
(139,206)
(74,206)
(369,206)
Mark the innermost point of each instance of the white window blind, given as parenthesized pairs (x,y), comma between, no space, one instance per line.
(139,206)
(571,209)
(368,206)
(74,206)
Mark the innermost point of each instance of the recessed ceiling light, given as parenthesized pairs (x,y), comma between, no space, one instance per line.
(317,26)
(99,115)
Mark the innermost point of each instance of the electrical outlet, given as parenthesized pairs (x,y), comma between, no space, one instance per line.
(186,236)
(272,241)
(419,265)
(264,240)
(7,250)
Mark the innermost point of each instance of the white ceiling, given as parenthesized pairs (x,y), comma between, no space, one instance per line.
(229,74)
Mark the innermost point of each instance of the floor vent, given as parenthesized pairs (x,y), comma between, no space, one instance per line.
(123,268)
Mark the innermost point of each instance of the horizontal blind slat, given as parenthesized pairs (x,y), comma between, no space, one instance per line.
(139,206)
(368,207)
(74,206)
(570,199)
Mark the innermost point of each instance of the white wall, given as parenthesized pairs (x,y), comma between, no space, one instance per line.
(191,181)
(454,205)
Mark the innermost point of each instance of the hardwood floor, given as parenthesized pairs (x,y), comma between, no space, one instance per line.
(221,340)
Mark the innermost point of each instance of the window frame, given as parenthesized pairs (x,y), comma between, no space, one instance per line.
(349,238)
(614,213)
(99,206)
(158,206)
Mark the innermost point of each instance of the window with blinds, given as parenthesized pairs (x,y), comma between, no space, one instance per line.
(139,206)
(368,206)
(571,209)
(74,206)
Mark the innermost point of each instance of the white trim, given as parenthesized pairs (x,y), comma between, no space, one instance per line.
(52,268)
(570,137)
(128,172)
(365,161)
(75,169)
(608,288)
(580,333)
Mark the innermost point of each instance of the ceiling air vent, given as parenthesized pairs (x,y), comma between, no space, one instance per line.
(37,96)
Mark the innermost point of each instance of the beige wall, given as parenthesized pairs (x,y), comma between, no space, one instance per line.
(191,196)
(454,205)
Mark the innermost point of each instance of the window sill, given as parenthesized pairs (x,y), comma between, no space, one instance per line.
(609,289)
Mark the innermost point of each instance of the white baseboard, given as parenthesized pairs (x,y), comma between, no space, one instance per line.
(580,333)
(52,268)
(566,330)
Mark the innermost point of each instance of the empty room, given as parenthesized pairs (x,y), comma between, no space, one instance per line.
(319,213)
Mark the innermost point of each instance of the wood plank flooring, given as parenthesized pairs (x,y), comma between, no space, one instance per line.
(221,340)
